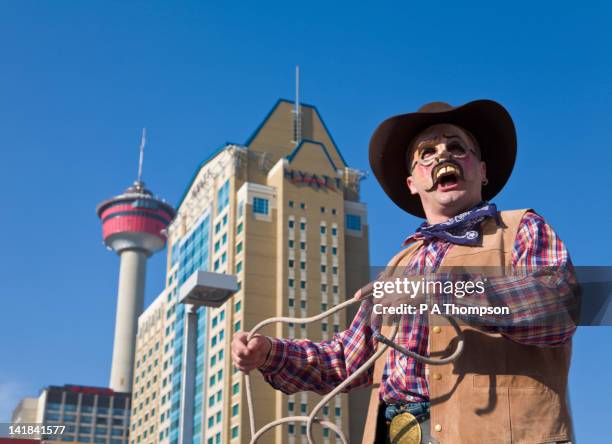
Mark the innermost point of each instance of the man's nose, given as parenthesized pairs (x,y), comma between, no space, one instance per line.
(443,153)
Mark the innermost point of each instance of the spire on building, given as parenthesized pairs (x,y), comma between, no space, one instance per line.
(297,118)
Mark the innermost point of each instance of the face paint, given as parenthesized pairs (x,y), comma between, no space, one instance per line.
(429,152)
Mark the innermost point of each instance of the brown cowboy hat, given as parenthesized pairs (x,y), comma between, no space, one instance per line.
(487,120)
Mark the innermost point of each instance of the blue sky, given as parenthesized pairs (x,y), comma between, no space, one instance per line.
(80,79)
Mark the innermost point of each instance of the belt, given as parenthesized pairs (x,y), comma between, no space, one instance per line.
(404,422)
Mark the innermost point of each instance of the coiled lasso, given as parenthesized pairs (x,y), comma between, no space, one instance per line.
(312,418)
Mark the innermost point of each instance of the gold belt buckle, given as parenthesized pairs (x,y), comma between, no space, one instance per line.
(405,429)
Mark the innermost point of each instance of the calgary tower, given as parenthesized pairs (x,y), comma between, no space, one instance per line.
(133,225)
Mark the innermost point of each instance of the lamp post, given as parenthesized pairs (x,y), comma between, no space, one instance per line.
(201,289)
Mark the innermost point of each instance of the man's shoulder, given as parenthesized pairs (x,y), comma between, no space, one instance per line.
(521,219)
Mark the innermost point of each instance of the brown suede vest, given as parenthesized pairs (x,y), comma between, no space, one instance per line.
(498,391)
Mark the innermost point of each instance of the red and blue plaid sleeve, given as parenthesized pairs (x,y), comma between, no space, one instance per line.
(303,365)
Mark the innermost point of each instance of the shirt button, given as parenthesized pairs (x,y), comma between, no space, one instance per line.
(438,428)
(437,376)
(437,329)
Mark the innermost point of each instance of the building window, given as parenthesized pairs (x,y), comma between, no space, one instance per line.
(302,205)
(291,302)
(223,258)
(238,267)
(260,206)
(303,304)
(302,245)
(290,204)
(291,243)
(236,388)
(291,262)
(302,226)
(217,245)
(322,209)
(323,268)
(234,432)
(237,326)
(334,251)
(217,228)
(353,222)
(291,283)
(291,224)
(334,211)
(334,231)
(239,247)
(235,409)
(240,208)
(303,285)
(334,270)
(238,306)
(239,228)
(223,196)
(224,239)
(303,265)
(322,229)
(323,288)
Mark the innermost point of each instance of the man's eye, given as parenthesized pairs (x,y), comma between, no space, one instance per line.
(456,148)
(427,152)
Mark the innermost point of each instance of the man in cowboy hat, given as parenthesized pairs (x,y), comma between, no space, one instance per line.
(510,384)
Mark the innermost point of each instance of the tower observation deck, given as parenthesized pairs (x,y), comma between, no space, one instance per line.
(133,225)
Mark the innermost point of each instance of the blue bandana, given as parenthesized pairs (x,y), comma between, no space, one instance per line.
(463,229)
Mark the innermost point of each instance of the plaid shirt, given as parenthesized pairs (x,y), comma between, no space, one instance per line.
(303,365)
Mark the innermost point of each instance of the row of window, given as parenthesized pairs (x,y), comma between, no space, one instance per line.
(291,283)
(303,207)
(323,248)
(322,228)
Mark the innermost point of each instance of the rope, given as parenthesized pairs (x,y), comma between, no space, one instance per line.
(312,418)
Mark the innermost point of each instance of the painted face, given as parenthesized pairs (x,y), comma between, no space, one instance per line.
(446,170)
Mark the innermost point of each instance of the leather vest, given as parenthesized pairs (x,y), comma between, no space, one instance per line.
(498,391)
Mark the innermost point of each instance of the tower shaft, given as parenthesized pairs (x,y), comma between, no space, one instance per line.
(130,302)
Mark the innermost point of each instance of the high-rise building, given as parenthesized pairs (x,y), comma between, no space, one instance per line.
(133,225)
(282,213)
(87,414)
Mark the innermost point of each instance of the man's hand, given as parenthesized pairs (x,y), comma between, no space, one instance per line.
(251,355)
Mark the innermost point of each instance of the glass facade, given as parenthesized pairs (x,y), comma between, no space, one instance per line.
(78,408)
(192,254)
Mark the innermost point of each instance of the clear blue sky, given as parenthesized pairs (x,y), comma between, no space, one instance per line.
(79,80)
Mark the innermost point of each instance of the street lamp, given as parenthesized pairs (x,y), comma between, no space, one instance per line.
(201,289)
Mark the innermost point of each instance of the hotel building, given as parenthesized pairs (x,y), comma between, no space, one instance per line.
(282,213)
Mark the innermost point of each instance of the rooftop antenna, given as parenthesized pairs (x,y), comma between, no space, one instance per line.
(297,122)
(143,141)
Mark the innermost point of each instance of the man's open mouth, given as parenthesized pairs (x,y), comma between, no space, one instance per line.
(446,176)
